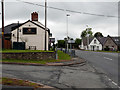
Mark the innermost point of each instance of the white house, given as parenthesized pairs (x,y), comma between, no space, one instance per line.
(32,33)
(91,43)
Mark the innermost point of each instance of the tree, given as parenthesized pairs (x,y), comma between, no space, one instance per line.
(61,43)
(77,42)
(87,32)
(98,34)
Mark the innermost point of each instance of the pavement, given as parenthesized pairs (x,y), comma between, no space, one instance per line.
(62,63)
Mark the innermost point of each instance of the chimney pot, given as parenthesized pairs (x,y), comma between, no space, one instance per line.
(34,16)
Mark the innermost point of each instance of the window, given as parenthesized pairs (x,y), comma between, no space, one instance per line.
(116,40)
(13,35)
(97,47)
(29,31)
(94,41)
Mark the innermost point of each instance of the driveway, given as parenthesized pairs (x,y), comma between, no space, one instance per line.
(106,63)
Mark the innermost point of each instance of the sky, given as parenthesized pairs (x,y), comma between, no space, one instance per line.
(57,20)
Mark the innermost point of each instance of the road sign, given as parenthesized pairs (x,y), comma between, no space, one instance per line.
(71,41)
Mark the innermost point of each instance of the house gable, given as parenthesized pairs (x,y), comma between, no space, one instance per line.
(95,41)
(36,39)
(41,26)
(110,43)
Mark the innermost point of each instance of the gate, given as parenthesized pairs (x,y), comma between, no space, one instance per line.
(19,45)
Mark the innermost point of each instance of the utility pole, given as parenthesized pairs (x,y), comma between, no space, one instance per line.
(67,30)
(2,4)
(45,22)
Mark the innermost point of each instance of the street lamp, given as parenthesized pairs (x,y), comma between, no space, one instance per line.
(67,29)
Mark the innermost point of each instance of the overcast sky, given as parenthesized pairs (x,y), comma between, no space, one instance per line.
(56,19)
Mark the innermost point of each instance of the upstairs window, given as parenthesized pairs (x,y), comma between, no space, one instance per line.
(117,40)
(94,41)
(28,31)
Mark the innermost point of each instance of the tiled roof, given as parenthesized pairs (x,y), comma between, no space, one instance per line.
(8,28)
(116,40)
(102,40)
(13,26)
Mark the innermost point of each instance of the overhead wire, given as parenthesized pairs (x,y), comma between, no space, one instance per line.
(72,11)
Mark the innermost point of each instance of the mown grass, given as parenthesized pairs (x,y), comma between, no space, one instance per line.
(61,56)
(14,82)
(19,51)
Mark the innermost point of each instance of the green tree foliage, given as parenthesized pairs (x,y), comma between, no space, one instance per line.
(86,32)
(98,34)
(61,43)
(77,43)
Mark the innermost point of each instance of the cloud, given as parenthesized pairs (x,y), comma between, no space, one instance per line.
(18,11)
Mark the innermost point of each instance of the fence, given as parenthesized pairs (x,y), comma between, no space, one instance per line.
(7,44)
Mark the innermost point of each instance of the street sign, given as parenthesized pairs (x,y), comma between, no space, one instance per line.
(71,41)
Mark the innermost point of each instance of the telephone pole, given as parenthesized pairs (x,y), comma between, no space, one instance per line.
(2,4)
(45,22)
(67,30)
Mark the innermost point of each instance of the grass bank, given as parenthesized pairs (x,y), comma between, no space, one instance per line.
(61,56)
(20,51)
(16,82)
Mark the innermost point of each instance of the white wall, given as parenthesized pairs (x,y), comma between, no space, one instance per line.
(95,45)
(31,40)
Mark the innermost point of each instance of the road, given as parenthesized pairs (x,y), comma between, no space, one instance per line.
(72,77)
(104,62)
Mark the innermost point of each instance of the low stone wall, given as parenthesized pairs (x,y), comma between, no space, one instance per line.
(29,56)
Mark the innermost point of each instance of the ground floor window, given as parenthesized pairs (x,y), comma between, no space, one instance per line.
(97,47)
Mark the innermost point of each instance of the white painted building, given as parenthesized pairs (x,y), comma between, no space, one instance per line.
(32,33)
(91,43)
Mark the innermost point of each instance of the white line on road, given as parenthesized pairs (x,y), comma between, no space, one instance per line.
(108,58)
(113,82)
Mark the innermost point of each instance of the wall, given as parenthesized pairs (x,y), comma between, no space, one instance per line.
(30,56)
(110,43)
(31,40)
(95,45)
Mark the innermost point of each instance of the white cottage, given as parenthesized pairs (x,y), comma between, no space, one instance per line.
(91,43)
(32,33)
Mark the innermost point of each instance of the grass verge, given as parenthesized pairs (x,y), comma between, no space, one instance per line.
(20,51)
(61,56)
(16,82)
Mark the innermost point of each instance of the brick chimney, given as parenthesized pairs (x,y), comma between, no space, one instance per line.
(34,16)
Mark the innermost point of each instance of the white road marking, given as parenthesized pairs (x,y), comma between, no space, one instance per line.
(108,58)
(113,82)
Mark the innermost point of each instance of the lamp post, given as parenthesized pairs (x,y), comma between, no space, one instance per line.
(45,22)
(67,29)
(2,4)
